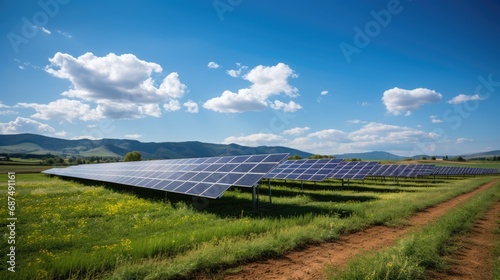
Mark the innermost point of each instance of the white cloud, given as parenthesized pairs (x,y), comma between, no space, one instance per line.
(133,136)
(355,121)
(435,119)
(172,105)
(25,125)
(63,109)
(8,112)
(122,86)
(191,106)
(43,29)
(258,139)
(296,131)
(65,34)
(463,140)
(287,107)
(325,92)
(3,106)
(236,73)
(397,100)
(230,102)
(266,82)
(461,98)
(213,65)
(371,136)
(61,134)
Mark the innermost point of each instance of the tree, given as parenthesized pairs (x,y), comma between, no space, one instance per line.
(320,156)
(433,158)
(294,157)
(460,158)
(132,156)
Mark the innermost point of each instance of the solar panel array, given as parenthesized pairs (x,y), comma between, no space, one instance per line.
(205,177)
(304,170)
(352,170)
(403,170)
(458,170)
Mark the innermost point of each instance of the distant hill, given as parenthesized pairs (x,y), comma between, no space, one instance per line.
(377,155)
(40,145)
(489,154)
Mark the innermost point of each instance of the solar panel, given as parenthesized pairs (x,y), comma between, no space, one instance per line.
(352,170)
(206,177)
(304,170)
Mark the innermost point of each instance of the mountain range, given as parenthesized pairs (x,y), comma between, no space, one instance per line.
(40,145)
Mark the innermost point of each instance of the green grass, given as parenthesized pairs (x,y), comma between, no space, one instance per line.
(70,230)
(22,168)
(414,256)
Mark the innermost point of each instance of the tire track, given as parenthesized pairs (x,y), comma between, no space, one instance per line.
(474,259)
(309,263)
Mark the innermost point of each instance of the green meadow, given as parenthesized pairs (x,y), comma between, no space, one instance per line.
(82,230)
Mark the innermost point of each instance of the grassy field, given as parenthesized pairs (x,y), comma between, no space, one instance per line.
(415,255)
(71,230)
(22,168)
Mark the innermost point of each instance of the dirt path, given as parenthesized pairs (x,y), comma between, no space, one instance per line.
(474,259)
(309,263)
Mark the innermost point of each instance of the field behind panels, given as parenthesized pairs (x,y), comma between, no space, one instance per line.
(68,229)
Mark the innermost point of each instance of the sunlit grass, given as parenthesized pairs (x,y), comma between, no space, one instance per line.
(415,255)
(71,230)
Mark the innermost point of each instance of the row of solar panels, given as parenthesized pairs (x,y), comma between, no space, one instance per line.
(211,177)
(205,177)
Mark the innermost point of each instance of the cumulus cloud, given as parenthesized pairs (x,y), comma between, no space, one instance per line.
(63,109)
(325,92)
(287,107)
(122,86)
(230,102)
(191,106)
(461,98)
(254,140)
(398,101)
(25,125)
(435,119)
(172,105)
(266,81)
(237,72)
(296,131)
(6,112)
(213,65)
(371,136)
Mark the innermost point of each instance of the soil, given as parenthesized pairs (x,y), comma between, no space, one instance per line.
(473,259)
(309,263)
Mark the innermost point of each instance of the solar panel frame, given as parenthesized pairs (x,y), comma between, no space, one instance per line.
(353,170)
(206,177)
(303,170)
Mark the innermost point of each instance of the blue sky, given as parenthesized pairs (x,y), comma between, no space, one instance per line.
(328,77)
